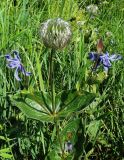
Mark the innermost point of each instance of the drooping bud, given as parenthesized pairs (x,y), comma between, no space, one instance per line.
(99,46)
(55,33)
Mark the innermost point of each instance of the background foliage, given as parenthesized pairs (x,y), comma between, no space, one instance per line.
(99,132)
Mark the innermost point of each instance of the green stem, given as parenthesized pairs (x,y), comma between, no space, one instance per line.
(10,147)
(59,138)
(51,80)
(52,87)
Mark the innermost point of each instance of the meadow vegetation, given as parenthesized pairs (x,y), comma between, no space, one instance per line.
(93,126)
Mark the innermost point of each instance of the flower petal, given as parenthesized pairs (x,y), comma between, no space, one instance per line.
(12,65)
(16,74)
(22,69)
(8,57)
(106,62)
(115,57)
(105,59)
(106,69)
(16,55)
(28,73)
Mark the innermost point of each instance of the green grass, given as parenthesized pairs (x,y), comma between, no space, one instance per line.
(101,131)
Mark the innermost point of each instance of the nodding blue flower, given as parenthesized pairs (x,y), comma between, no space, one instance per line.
(68,147)
(15,63)
(104,59)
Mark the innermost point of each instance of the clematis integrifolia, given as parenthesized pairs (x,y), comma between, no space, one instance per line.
(15,63)
(104,59)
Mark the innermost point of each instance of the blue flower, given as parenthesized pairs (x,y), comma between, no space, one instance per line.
(68,147)
(15,63)
(104,59)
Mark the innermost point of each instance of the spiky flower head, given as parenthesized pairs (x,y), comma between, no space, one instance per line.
(55,33)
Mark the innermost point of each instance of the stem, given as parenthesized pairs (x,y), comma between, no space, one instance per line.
(10,147)
(59,138)
(51,80)
(52,87)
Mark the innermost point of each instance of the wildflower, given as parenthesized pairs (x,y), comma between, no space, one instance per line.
(68,146)
(108,34)
(55,33)
(15,62)
(92,9)
(104,59)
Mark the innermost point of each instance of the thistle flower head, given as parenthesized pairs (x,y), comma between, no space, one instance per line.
(55,33)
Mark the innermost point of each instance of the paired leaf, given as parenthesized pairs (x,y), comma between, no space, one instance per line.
(38,105)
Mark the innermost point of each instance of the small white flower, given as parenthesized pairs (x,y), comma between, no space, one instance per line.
(92,9)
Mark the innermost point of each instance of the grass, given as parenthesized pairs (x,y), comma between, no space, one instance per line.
(101,131)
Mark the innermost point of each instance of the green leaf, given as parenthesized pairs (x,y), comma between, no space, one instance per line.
(38,105)
(89,154)
(5,150)
(72,101)
(35,105)
(5,155)
(32,112)
(53,155)
(71,126)
(41,98)
(93,129)
(4,138)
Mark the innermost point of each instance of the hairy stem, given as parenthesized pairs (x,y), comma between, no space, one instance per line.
(51,80)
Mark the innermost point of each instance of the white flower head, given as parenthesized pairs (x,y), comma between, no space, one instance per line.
(55,33)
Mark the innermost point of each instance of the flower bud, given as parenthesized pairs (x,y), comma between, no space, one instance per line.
(100,46)
(55,33)
(92,9)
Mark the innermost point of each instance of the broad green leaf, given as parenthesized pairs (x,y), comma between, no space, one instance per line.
(35,105)
(71,126)
(41,98)
(32,112)
(38,105)
(72,101)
